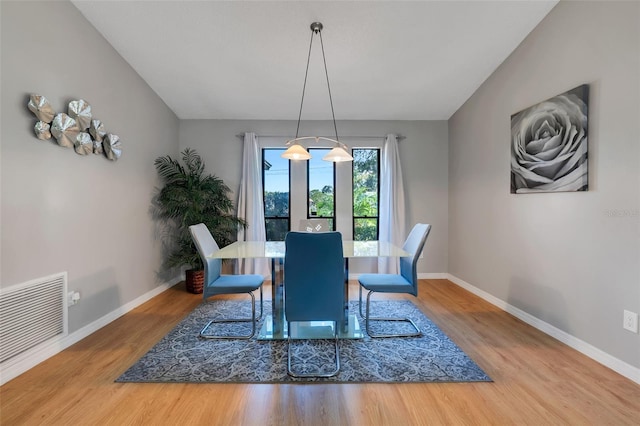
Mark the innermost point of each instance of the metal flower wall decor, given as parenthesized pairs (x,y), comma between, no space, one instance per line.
(75,129)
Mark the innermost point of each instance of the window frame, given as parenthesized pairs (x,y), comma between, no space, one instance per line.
(332,219)
(353,216)
(264,204)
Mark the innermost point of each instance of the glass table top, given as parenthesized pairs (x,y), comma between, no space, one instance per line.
(276,249)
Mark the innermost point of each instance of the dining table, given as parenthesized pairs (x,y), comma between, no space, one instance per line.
(275,325)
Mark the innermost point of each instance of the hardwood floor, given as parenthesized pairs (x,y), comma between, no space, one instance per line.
(537,380)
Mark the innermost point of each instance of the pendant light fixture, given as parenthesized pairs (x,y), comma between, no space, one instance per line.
(296,151)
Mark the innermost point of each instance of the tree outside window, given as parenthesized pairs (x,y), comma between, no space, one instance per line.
(366,193)
(275,182)
(321,184)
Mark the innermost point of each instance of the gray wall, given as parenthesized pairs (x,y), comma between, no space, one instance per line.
(61,211)
(423,155)
(570,259)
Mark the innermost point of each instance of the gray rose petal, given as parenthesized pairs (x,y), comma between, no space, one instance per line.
(81,111)
(96,129)
(112,147)
(65,130)
(549,145)
(84,144)
(43,130)
(40,106)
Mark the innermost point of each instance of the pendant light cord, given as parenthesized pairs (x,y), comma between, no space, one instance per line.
(304,86)
(326,73)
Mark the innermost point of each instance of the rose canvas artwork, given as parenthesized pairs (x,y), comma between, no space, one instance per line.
(549,144)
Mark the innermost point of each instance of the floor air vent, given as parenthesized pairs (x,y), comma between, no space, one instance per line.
(31,314)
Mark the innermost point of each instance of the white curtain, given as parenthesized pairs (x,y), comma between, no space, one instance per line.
(251,205)
(392,208)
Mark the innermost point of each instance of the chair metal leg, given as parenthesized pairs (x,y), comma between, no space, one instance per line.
(225,320)
(261,305)
(368,318)
(360,302)
(318,373)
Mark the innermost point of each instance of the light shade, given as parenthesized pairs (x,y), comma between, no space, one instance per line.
(296,152)
(337,155)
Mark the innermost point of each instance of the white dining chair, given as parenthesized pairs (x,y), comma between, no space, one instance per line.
(314,225)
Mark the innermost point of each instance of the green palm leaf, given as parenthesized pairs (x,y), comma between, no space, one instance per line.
(189,196)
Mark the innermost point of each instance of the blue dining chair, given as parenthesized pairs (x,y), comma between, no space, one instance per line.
(215,283)
(404,282)
(313,286)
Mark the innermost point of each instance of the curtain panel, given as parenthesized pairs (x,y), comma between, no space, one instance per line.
(392,205)
(251,205)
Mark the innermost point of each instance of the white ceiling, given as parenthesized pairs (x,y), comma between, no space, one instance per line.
(387,60)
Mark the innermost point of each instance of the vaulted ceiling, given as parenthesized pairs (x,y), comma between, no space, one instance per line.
(387,60)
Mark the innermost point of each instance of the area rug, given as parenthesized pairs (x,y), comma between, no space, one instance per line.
(183,357)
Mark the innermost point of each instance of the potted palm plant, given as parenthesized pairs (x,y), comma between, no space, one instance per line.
(189,196)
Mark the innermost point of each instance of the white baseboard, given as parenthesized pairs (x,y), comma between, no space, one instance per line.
(17,365)
(433,276)
(617,365)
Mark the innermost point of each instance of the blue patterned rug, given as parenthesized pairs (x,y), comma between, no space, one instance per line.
(183,357)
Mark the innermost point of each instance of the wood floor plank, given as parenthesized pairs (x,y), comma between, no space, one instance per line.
(537,380)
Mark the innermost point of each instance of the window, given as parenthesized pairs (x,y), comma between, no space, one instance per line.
(366,193)
(321,182)
(346,195)
(275,185)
